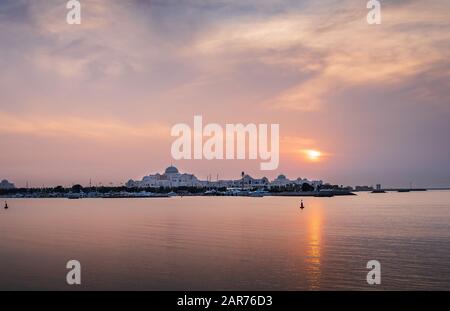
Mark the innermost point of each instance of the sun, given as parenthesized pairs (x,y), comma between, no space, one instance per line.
(313,155)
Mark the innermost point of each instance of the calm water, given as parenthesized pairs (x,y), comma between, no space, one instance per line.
(228,243)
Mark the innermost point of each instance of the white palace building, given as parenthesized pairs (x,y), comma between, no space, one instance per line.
(172,178)
(6,185)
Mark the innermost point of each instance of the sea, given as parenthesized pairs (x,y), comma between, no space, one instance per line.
(228,243)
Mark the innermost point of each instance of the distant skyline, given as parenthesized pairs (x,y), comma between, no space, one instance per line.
(357,104)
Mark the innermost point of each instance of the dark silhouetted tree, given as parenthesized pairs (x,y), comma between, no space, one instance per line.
(307,187)
(77,188)
(59,189)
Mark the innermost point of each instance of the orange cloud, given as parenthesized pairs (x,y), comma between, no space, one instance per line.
(69,127)
(345,51)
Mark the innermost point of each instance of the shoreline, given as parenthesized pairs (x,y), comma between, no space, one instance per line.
(325,193)
(151,195)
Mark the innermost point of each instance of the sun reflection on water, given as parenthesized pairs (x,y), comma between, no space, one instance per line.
(313,249)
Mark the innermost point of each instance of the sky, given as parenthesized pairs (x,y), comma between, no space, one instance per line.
(98,100)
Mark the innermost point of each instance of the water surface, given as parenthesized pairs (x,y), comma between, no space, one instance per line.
(228,243)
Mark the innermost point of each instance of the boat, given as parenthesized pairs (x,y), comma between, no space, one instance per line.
(378,191)
(6,205)
(172,194)
(258,193)
(144,194)
(301,205)
(210,193)
(73,196)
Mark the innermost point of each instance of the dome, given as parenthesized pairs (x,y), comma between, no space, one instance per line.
(281,176)
(171,170)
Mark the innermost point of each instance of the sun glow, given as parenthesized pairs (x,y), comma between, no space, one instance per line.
(313,155)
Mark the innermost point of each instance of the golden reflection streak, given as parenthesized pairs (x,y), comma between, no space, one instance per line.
(313,251)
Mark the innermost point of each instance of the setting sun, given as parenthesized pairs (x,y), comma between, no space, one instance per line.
(313,155)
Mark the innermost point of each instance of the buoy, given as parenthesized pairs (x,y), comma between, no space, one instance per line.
(301,205)
(6,205)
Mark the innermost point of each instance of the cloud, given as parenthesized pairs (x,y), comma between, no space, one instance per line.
(339,53)
(71,127)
